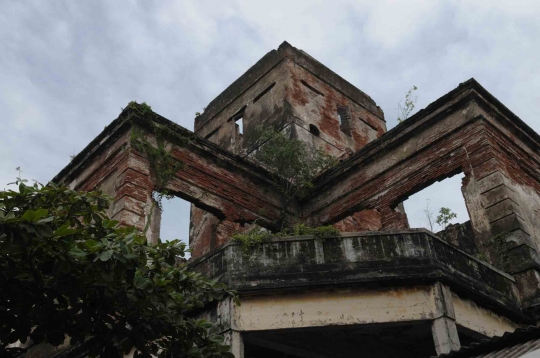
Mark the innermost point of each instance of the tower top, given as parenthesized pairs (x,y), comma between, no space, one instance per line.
(294,93)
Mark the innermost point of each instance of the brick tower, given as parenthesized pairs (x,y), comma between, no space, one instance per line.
(291,92)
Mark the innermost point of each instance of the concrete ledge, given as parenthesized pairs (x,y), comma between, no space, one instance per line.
(402,257)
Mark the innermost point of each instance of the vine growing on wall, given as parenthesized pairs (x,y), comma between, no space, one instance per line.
(162,163)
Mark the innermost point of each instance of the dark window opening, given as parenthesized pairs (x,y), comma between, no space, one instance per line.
(264,92)
(314,130)
(238,119)
(344,118)
(312,88)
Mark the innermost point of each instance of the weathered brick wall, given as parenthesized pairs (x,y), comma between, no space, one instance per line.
(119,173)
(467,134)
(385,176)
(513,206)
(265,104)
(465,131)
(228,189)
(315,102)
(289,93)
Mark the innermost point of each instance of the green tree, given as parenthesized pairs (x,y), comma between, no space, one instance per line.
(444,217)
(67,271)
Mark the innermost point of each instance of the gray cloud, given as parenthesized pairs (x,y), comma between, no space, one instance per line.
(67,67)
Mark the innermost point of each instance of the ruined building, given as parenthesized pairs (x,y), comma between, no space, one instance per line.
(379,288)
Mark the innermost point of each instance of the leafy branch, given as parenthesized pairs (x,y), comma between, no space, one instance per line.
(443,219)
(66,270)
(410,102)
(258,235)
(445,216)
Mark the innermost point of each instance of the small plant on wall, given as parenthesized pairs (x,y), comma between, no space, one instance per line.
(162,163)
(405,110)
(254,237)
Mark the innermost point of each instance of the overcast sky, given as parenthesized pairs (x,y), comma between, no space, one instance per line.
(68,67)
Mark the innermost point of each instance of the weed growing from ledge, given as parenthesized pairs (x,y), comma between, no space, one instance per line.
(410,101)
(497,244)
(251,238)
(142,108)
(482,256)
(302,229)
(256,236)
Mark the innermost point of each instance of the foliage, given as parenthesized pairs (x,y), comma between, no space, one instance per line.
(410,101)
(68,271)
(444,217)
(498,247)
(302,229)
(256,236)
(162,163)
(251,238)
(292,161)
(482,256)
(142,108)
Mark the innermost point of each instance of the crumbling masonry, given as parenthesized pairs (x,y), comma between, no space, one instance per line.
(379,288)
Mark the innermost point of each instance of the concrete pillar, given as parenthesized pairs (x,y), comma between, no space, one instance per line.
(443,328)
(234,339)
(445,335)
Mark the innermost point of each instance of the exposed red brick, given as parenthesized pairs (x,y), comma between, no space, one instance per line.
(365,220)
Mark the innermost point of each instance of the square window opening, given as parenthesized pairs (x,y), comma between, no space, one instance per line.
(238,119)
(438,206)
(239,126)
(175,220)
(344,119)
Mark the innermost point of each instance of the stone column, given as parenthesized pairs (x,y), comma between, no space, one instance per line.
(443,328)
(234,339)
